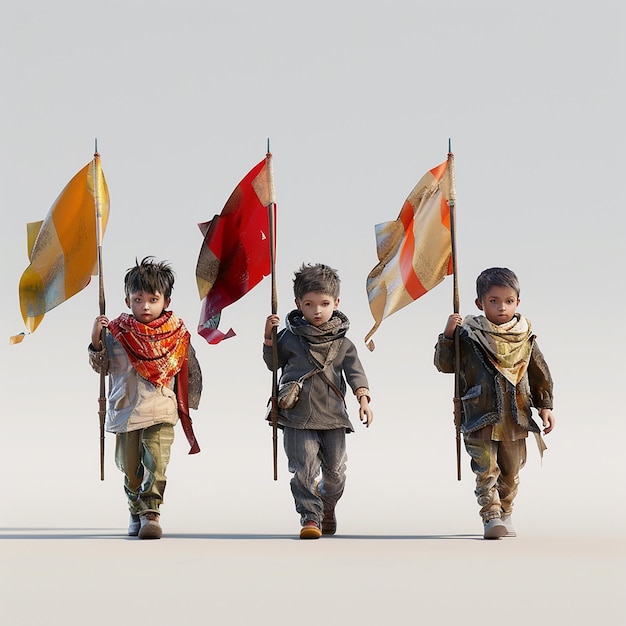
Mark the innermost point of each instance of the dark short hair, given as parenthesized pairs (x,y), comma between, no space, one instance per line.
(150,276)
(317,278)
(496,277)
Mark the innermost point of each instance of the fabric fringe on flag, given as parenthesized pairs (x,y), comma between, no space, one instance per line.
(235,253)
(62,249)
(414,251)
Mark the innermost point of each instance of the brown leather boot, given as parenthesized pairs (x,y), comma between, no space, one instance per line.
(310,530)
(329,522)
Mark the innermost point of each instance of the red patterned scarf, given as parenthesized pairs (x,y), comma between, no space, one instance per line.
(156,350)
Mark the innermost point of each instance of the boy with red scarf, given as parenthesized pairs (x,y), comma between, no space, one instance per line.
(502,375)
(154,378)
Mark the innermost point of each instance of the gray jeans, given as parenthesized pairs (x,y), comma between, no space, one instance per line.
(308,452)
(496,465)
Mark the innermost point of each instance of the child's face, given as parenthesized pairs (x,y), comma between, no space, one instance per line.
(317,308)
(499,304)
(145,306)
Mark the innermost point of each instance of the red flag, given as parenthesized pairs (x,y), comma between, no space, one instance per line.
(415,251)
(235,254)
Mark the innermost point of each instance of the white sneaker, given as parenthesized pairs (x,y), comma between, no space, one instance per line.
(494,529)
(510,529)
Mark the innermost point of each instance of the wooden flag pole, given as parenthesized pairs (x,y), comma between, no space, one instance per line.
(274,307)
(102,303)
(456,308)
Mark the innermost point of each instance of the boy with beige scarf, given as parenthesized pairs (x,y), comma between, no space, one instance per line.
(502,375)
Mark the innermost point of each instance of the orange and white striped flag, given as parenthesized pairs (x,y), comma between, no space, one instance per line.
(414,251)
(62,249)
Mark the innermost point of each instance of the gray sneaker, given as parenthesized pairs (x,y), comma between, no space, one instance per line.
(149,525)
(510,529)
(133,525)
(494,529)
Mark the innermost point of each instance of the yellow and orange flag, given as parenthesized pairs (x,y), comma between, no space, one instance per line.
(63,248)
(414,251)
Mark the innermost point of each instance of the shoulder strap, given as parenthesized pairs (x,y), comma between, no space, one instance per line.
(308,375)
(332,385)
(334,350)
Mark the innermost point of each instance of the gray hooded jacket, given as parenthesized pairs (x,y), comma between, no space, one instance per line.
(301,347)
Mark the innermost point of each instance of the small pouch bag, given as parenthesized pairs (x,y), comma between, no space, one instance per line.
(288,393)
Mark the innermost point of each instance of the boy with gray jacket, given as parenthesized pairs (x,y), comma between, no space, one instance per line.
(314,350)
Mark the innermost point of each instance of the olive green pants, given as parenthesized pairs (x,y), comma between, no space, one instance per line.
(143,455)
